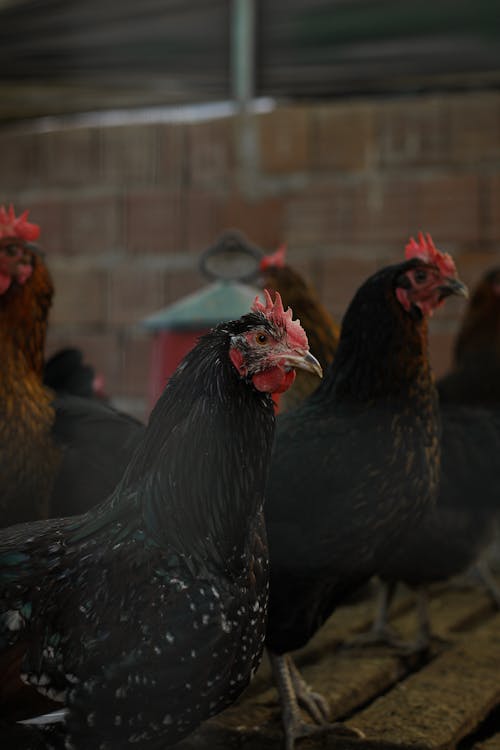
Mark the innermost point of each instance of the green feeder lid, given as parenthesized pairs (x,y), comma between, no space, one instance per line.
(231,261)
(222,300)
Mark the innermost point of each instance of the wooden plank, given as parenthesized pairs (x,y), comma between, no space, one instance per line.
(492,743)
(441,704)
(346,621)
(351,679)
(451,611)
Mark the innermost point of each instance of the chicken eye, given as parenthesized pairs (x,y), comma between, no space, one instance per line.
(261,338)
(420,276)
(11,249)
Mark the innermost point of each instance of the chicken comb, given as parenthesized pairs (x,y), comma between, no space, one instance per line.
(275,312)
(274,260)
(426,250)
(12,226)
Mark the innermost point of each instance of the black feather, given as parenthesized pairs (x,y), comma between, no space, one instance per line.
(456,532)
(148,613)
(354,466)
(96,443)
(66,372)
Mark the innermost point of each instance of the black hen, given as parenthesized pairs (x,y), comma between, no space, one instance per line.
(356,465)
(147,615)
(454,534)
(66,372)
(464,523)
(95,442)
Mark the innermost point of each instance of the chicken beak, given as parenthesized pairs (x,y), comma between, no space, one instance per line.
(453,286)
(304,362)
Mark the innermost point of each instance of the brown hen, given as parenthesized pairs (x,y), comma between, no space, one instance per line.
(475,376)
(59,455)
(322,331)
(29,457)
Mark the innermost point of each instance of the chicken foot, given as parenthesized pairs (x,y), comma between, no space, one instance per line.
(293,692)
(483,572)
(314,703)
(380,634)
(425,635)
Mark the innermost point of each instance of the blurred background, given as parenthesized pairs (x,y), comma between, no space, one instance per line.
(137,132)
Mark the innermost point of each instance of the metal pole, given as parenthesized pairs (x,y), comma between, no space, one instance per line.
(243,52)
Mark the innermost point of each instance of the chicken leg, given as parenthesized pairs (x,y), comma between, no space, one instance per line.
(483,572)
(380,634)
(293,692)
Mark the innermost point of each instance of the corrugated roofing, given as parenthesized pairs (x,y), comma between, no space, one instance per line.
(63,56)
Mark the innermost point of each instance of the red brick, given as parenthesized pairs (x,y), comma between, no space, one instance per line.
(475,127)
(81,296)
(134,293)
(317,215)
(154,221)
(261,220)
(284,140)
(413,131)
(69,157)
(203,220)
(136,365)
(343,137)
(210,151)
(339,279)
(447,207)
(380,211)
(180,283)
(392,252)
(20,161)
(51,215)
(366,212)
(100,350)
(129,153)
(94,224)
(491,227)
(172,155)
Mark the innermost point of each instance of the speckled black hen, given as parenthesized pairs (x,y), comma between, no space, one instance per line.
(356,465)
(147,615)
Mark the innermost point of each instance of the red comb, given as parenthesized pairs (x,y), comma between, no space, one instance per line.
(426,250)
(274,260)
(12,226)
(275,312)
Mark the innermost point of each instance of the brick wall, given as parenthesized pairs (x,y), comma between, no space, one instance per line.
(125,210)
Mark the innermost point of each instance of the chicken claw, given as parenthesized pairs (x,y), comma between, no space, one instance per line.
(294,691)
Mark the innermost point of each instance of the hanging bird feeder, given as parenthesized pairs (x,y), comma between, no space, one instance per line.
(230,264)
